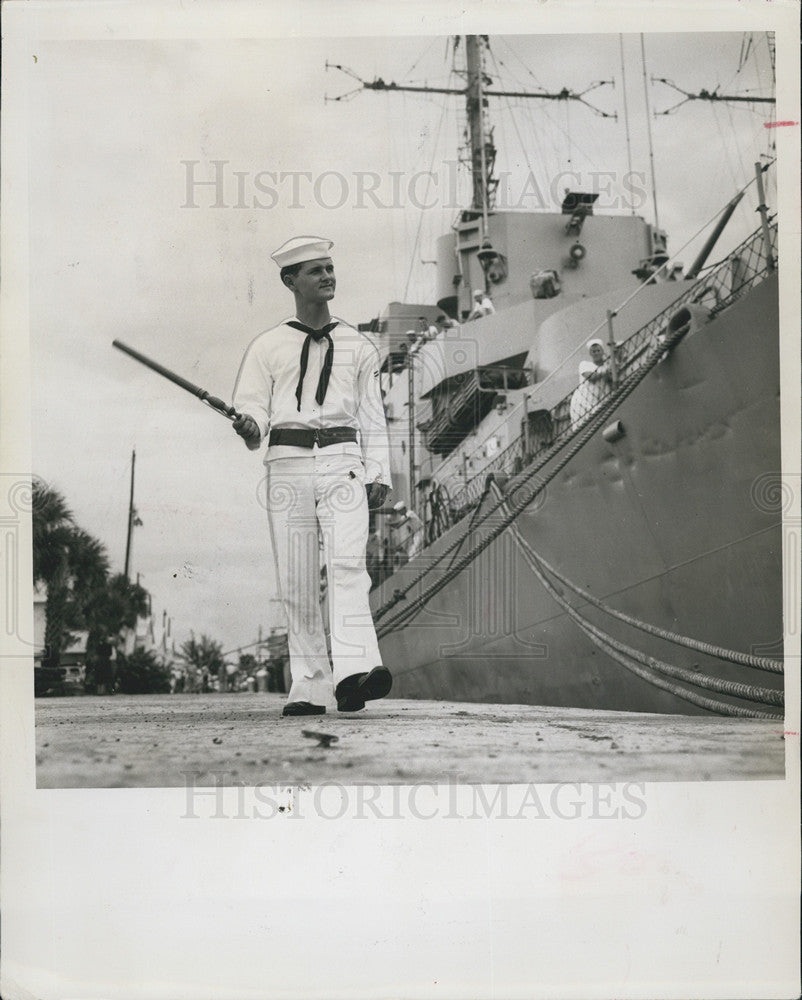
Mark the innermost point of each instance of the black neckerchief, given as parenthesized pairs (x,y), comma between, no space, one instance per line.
(316,335)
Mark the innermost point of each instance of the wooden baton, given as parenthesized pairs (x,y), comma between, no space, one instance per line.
(196,390)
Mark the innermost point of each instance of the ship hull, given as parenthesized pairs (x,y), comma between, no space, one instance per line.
(677,523)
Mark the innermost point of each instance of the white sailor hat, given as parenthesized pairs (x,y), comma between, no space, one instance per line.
(478,291)
(300,249)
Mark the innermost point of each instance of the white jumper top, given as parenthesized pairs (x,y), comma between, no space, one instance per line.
(268,377)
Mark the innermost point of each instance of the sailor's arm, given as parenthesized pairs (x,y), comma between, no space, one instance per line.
(253,392)
(371,418)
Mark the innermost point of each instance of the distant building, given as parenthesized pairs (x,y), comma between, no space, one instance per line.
(39,621)
(141,636)
(73,657)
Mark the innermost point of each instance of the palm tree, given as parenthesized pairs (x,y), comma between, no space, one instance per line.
(116,605)
(89,570)
(109,610)
(52,528)
(51,516)
(72,564)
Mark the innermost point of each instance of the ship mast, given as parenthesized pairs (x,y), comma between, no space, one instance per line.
(477,90)
(476,93)
(475,106)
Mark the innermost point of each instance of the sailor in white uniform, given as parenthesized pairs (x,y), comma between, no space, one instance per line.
(310,387)
(482,305)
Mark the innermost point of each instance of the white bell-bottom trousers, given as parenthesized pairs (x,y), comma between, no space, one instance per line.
(322,497)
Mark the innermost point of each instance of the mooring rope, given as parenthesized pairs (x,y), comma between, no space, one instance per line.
(721,652)
(628,654)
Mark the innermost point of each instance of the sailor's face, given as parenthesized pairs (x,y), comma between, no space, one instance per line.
(597,354)
(315,281)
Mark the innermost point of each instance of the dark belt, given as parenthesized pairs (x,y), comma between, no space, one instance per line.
(307,438)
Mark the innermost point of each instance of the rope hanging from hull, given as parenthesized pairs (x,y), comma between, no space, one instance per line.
(721,652)
(629,657)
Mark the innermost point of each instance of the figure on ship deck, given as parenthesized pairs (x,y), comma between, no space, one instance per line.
(595,381)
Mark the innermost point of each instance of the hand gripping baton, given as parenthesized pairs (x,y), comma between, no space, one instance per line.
(202,394)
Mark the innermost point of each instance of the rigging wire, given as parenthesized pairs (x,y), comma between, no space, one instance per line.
(746,44)
(771,45)
(727,154)
(544,111)
(524,151)
(744,171)
(649,130)
(529,107)
(397,254)
(526,107)
(421,56)
(409,218)
(526,67)
(626,110)
(768,146)
(742,210)
(737,156)
(428,186)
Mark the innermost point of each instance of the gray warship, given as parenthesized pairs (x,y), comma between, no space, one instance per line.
(619,549)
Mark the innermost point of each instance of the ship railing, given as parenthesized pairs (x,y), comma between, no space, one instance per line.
(745,267)
(715,290)
(509,462)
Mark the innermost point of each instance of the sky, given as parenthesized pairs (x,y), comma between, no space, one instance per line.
(126,242)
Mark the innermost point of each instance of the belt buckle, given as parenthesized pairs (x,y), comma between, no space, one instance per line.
(318,440)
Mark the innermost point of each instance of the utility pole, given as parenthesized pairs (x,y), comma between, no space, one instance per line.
(131,518)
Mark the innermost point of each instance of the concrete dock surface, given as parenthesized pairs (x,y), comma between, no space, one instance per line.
(151,741)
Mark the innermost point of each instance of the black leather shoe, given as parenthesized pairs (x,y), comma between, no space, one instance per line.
(354,691)
(303,708)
